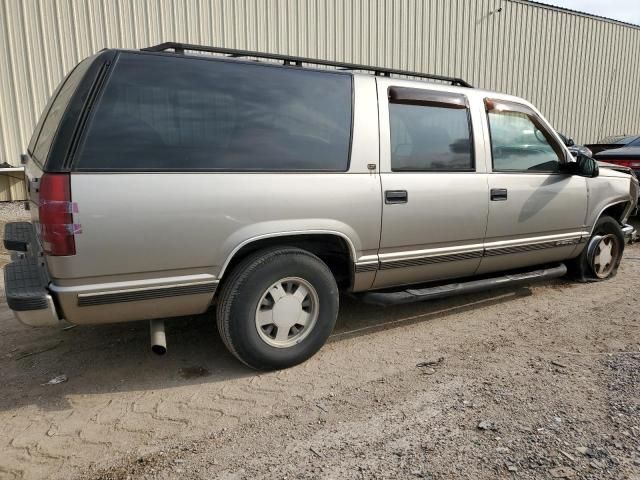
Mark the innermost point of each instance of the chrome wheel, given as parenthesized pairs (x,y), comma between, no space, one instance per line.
(287,312)
(605,255)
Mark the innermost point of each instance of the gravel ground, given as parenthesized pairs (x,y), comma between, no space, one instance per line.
(529,383)
(12,211)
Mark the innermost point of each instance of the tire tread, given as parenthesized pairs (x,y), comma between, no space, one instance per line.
(233,284)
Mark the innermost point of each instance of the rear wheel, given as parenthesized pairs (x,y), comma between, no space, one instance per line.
(277,308)
(603,253)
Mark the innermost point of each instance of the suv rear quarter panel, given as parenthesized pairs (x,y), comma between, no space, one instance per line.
(150,225)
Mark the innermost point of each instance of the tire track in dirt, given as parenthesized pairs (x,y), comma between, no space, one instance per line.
(121,401)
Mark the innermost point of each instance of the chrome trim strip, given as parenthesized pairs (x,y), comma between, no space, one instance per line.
(491,252)
(430,252)
(539,239)
(149,293)
(503,247)
(419,261)
(367,267)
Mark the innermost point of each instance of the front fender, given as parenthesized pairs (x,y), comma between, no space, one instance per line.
(606,192)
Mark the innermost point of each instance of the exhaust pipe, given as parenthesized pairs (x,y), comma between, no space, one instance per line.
(158,337)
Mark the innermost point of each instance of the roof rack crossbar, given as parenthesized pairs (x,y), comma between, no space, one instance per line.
(180,48)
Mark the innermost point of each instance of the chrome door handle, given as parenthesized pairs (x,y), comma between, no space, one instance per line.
(395,196)
(498,194)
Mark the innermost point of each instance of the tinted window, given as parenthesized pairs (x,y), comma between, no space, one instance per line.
(429,138)
(635,143)
(48,126)
(519,143)
(171,113)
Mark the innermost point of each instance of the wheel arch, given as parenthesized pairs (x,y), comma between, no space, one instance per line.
(616,210)
(334,248)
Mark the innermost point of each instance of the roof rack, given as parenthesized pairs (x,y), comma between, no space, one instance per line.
(180,48)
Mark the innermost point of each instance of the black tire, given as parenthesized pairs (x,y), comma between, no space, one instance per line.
(582,267)
(244,289)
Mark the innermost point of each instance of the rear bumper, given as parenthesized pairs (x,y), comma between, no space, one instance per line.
(26,279)
(37,300)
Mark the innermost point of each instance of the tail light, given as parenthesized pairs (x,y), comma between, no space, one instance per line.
(625,162)
(55,211)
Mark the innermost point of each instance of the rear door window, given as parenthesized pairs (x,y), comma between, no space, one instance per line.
(171,113)
(430,131)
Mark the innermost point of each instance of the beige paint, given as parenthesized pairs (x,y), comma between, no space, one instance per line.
(582,72)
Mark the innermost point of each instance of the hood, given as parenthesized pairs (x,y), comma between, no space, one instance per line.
(619,152)
(613,170)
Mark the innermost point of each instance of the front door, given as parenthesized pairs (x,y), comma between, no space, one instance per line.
(435,196)
(536,210)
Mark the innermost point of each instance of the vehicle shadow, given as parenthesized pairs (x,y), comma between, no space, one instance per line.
(117,357)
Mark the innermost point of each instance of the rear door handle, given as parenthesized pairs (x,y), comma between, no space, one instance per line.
(498,194)
(396,196)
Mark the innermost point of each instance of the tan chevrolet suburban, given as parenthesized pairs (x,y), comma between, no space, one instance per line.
(168,181)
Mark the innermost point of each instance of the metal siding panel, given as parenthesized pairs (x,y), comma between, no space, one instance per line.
(578,108)
(524,49)
(608,82)
(591,99)
(624,78)
(633,86)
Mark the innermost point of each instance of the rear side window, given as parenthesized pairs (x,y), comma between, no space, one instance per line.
(428,133)
(47,127)
(172,113)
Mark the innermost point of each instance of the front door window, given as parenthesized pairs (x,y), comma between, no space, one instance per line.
(520,143)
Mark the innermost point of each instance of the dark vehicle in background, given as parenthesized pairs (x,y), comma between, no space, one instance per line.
(574,148)
(625,159)
(613,142)
(628,156)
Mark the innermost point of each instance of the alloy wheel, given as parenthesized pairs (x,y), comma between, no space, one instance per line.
(287,312)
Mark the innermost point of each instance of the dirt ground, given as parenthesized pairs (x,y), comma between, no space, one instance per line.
(540,382)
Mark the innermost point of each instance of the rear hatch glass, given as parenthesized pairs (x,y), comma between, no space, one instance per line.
(45,132)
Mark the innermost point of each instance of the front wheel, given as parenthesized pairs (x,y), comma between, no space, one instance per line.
(601,257)
(277,308)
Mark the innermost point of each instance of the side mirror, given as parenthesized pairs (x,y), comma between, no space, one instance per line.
(584,166)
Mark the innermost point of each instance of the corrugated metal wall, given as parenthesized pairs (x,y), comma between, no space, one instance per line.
(582,72)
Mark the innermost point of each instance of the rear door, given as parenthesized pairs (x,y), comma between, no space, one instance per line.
(536,210)
(435,196)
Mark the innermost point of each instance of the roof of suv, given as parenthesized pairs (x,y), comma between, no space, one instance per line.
(181,48)
(439,82)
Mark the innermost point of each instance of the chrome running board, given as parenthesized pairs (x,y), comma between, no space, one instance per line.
(472,286)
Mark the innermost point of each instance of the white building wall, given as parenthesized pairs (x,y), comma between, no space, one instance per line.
(582,72)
